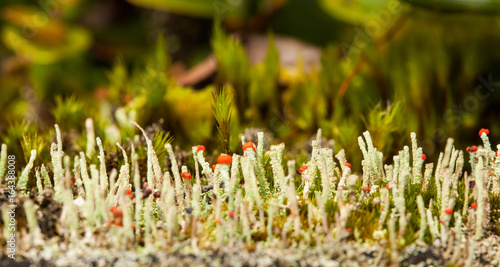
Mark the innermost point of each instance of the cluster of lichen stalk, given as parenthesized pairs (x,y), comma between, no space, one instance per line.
(233,210)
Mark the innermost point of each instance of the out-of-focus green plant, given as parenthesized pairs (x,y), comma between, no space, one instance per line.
(21,137)
(200,8)
(33,141)
(44,40)
(263,90)
(486,6)
(189,114)
(69,112)
(386,127)
(355,11)
(232,66)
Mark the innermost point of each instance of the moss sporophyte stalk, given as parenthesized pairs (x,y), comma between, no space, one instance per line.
(261,199)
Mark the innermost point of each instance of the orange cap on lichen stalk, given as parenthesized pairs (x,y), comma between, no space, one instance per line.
(224,160)
(248,145)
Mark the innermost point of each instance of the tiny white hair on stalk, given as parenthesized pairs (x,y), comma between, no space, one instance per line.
(3,161)
(23,179)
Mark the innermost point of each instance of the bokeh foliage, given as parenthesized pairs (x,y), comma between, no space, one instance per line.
(418,72)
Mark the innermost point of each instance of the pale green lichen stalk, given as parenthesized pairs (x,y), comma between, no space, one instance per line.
(23,179)
(3,161)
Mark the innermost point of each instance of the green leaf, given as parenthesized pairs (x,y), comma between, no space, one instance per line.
(353,11)
(77,40)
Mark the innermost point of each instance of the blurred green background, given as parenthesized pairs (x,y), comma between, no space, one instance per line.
(290,67)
